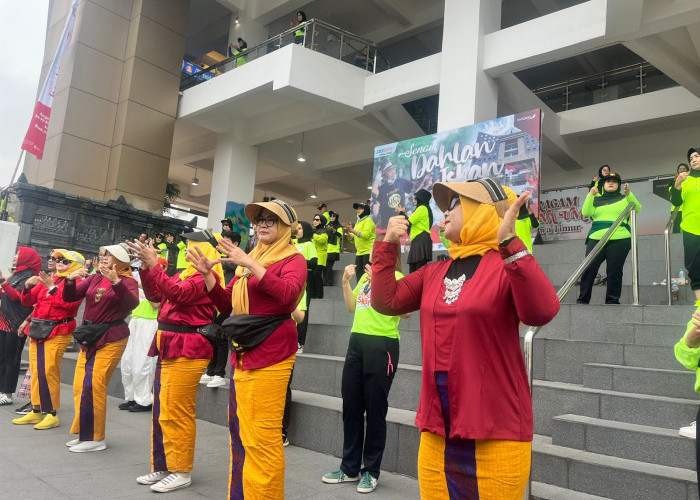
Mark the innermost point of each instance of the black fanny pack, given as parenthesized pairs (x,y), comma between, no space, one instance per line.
(89,334)
(40,329)
(212,332)
(245,331)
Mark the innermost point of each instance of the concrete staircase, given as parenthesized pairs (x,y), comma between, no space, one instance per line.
(609,396)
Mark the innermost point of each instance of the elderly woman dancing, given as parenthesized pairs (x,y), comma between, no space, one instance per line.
(475,412)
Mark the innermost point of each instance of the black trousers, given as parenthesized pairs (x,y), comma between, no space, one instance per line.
(304,325)
(370,365)
(10,356)
(360,261)
(217,365)
(328,276)
(614,254)
(677,223)
(691,252)
(317,278)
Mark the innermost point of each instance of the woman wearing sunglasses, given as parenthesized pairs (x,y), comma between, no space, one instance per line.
(183,354)
(52,323)
(109,295)
(268,286)
(475,411)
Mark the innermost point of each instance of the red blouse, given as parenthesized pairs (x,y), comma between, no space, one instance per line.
(183,303)
(276,293)
(488,388)
(50,305)
(104,303)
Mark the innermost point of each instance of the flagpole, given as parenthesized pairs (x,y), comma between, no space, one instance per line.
(6,193)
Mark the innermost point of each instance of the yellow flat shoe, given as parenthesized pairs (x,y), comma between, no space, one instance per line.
(49,422)
(33,417)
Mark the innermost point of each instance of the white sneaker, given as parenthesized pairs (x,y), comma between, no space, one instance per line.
(688,431)
(300,350)
(174,481)
(88,446)
(73,442)
(153,477)
(205,379)
(218,381)
(4,400)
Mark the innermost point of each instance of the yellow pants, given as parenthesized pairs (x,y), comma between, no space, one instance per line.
(45,358)
(472,469)
(256,407)
(92,374)
(174,428)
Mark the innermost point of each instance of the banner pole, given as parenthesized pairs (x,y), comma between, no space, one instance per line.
(6,193)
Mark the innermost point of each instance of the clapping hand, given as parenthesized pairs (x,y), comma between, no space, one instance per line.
(110,272)
(507,227)
(78,274)
(46,280)
(32,281)
(234,254)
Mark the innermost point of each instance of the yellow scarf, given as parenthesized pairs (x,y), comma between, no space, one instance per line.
(266,255)
(480,229)
(210,253)
(77,261)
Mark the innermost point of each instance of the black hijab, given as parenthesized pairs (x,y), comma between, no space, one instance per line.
(423,198)
(307,232)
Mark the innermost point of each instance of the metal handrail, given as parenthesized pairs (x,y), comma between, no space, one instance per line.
(568,285)
(590,78)
(667,246)
(311,24)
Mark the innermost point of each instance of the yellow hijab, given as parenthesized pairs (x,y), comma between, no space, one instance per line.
(266,255)
(210,253)
(77,261)
(480,229)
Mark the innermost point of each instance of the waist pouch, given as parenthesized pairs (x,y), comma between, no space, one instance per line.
(246,331)
(212,332)
(40,329)
(90,333)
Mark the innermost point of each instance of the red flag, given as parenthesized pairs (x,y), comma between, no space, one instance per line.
(35,138)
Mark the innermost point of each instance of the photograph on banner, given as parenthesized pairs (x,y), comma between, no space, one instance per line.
(561,218)
(240,223)
(507,149)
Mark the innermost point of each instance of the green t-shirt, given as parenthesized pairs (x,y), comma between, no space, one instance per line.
(163,254)
(609,213)
(368,321)
(523,228)
(687,356)
(365,240)
(145,310)
(181,262)
(307,249)
(321,242)
(690,191)
(420,221)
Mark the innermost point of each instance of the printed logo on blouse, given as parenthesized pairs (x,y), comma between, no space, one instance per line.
(363,298)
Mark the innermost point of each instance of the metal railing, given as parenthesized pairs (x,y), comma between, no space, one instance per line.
(630,211)
(667,247)
(626,81)
(316,35)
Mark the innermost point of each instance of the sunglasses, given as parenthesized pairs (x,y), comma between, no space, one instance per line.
(261,221)
(62,261)
(317,220)
(453,202)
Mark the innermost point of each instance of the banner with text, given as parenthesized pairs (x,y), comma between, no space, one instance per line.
(507,148)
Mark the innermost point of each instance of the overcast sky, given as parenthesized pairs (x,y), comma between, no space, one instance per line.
(21,52)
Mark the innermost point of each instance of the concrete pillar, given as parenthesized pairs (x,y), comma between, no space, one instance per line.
(467,94)
(233,179)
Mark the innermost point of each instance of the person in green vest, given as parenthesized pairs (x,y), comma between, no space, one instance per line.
(235,50)
(323,208)
(335,238)
(159,243)
(364,234)
(604,210)
(682,167)
(320,239)
(420,222)
(299,33)
(307,248)
(686,193)
(524,224)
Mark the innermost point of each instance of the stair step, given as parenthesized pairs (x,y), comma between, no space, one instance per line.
(551,399)
(615,477)
(671,383)
(543,491)
(636,442)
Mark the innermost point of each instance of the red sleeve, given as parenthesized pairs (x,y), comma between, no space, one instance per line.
(12,294)
(150,288)
(389,296)
(285,288)
(31,296)
(127,290)
(536,301)
(221,297)
(73,291)
(175,290)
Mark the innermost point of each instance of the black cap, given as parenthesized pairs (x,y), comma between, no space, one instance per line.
(360,205)
(205,235)
(691,151)
(321,205)
(612,176)
(423,196)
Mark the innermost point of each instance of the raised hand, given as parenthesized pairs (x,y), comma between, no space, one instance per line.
(31,282)
(692,340)
(507,227)
(234,253)
(397,227)
(79,274)
(110,272)
(146,253)
(681,179)
(46,279)
(627,188)
(200,262)
(594,191)
(348,273)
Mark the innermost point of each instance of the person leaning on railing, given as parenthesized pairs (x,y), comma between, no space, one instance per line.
(475,411)
(686,194)
(604,210)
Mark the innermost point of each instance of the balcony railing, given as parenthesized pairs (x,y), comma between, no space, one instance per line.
(627,81)
(316,35)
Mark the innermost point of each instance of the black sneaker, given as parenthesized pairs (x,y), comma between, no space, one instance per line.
(127,405)
(24,410)
(137,408)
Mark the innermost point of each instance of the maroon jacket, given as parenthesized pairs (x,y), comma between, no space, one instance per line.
(488,387)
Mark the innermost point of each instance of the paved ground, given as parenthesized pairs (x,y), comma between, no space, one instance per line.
(37,464)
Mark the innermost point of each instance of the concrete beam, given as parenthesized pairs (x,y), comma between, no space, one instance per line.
(404,83)
(396,10)
(694,33)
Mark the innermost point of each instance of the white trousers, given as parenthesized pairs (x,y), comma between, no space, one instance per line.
(136,366)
